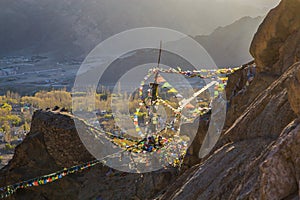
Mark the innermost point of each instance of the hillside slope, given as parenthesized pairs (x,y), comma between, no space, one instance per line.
(229,45)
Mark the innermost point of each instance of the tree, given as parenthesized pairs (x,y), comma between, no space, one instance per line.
(6,107)
(26,126)
(14,119)
(7,131)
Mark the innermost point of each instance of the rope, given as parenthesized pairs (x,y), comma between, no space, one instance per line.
(49,178)
(45,179)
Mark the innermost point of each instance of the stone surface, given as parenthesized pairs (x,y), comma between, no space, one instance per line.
(53,144)
(279,175)
(276,46)
(258,154)
(192,156)
(294,90)
(233,170)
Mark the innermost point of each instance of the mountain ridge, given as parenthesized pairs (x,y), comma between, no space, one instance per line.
(68,29)
(229,45)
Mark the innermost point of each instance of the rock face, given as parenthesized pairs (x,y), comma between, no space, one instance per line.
(233,170)
(294,91)
(276,45)
(192,156)
(279,173)
(258,154)
(53,144)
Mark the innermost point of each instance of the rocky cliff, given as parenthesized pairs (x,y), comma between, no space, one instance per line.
(276,43)
(258,154)
(275,48)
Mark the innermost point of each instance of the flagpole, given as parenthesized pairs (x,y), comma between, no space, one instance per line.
(154,119)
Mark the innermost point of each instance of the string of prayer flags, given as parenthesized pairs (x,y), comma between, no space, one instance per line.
(11,189)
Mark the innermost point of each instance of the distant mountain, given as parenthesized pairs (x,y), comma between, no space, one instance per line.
(229,45)
(71,28)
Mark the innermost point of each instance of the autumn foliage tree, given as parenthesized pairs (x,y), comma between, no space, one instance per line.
(7,119)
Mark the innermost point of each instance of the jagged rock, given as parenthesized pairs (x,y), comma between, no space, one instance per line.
(63,110)
(258,154)
(232,171)
(53,144)
(279,177)
(280,171)
(276,45)
(266,116)
(192,156)
(235,90)
(56,108)
(294,91)
(244,95)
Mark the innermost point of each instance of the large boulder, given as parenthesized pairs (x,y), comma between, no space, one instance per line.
(276,45)
(52,145)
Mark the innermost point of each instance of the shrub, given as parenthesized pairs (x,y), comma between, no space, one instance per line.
(9,146)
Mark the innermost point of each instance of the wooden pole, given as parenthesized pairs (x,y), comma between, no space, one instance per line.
(154,119)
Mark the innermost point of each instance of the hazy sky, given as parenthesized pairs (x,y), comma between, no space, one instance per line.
(194,17)
(253,2)
(49,23)
(222,12)
(262,5)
